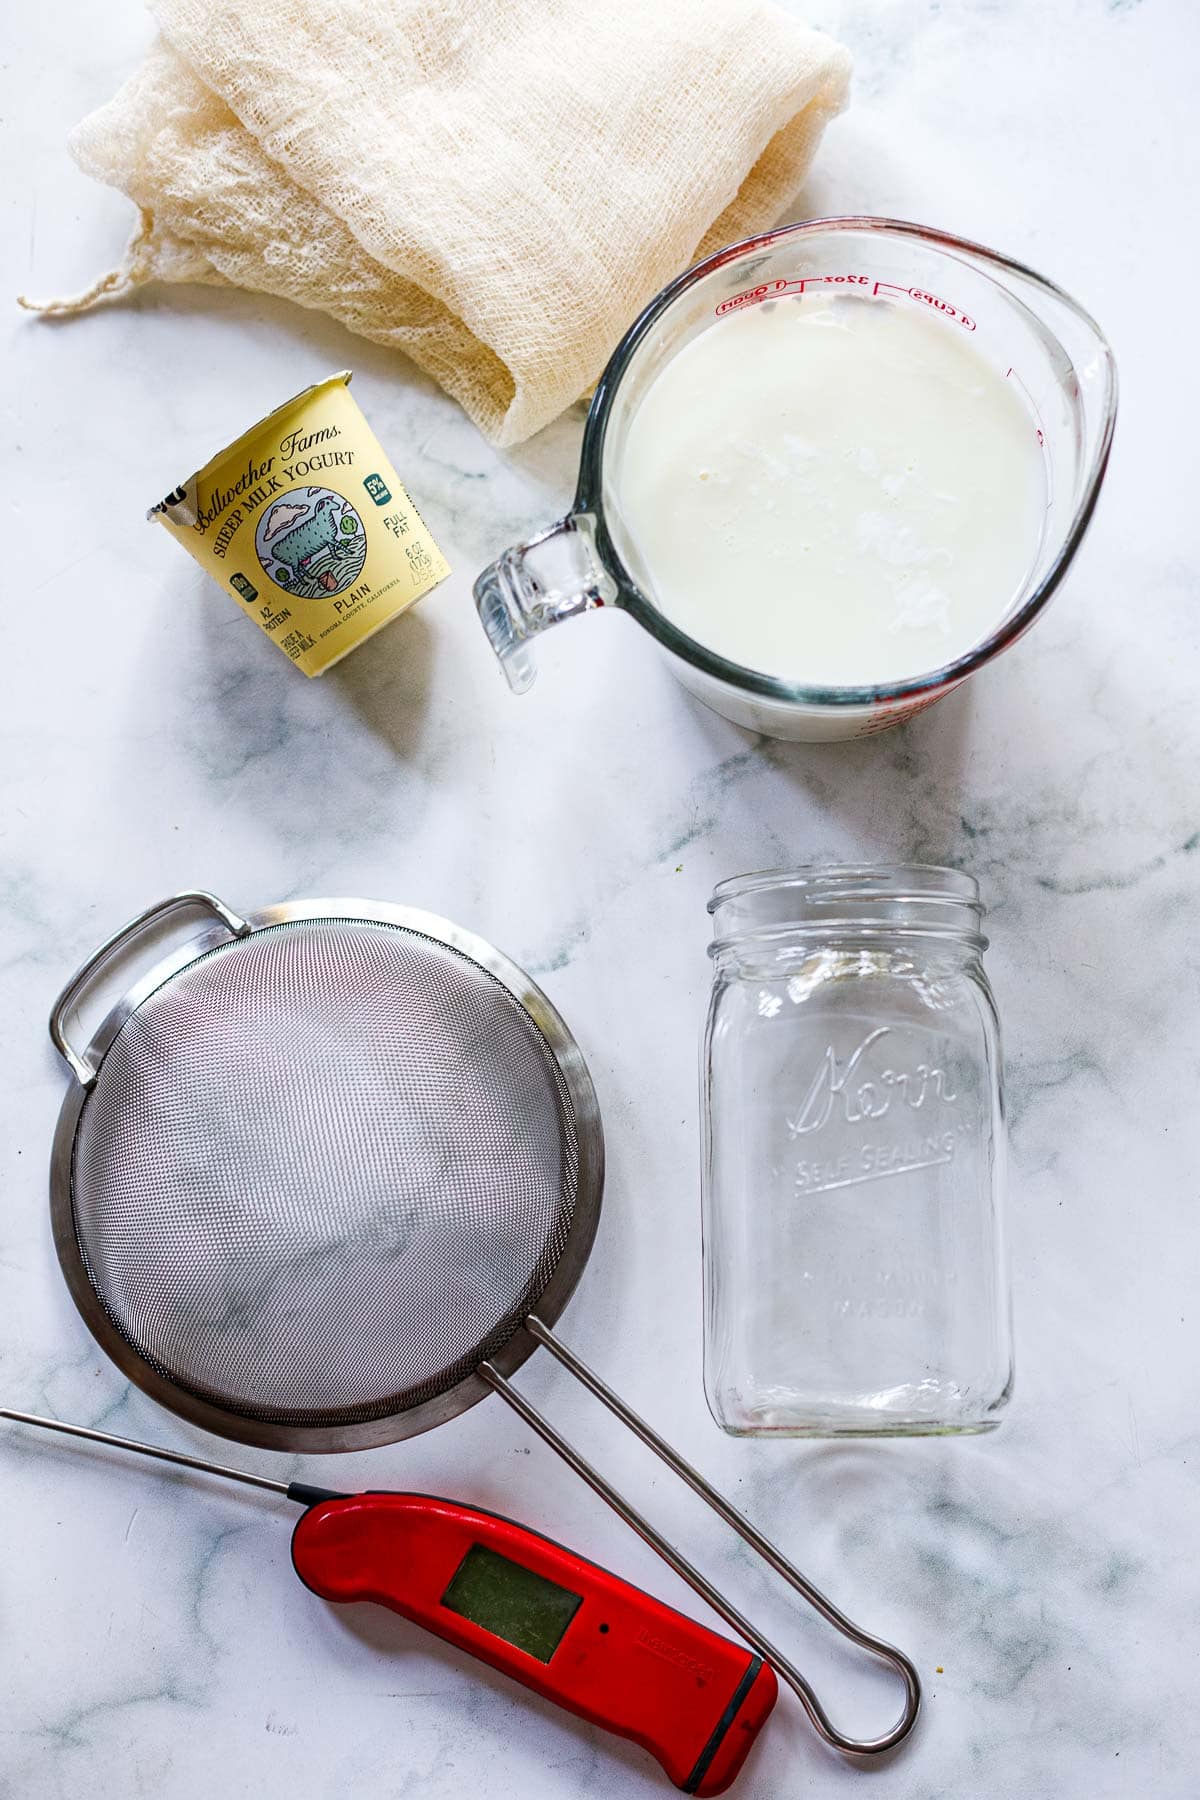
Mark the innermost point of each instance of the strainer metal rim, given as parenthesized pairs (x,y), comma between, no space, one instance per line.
(393,1427)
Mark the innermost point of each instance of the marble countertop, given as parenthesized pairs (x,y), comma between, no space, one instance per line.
(153,1640)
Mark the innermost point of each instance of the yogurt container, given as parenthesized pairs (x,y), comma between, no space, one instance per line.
(306,523)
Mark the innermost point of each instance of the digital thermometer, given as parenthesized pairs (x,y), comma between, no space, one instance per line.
(569,1630)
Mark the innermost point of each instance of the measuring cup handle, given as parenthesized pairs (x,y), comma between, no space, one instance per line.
(539,584)
(81,1065)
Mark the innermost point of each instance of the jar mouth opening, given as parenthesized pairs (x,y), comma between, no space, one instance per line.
(855,899)
(829,882)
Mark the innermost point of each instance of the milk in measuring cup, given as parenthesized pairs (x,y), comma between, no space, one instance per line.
(836,490)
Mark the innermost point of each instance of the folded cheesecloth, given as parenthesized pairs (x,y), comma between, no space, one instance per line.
(495,187)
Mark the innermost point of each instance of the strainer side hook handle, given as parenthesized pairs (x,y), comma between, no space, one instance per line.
(81,1065)
(762,1546)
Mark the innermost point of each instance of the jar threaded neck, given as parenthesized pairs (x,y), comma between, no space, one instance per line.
(860,900)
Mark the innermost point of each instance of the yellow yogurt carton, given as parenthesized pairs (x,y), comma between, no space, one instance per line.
(306,523)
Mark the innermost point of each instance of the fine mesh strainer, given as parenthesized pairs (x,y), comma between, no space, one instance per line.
(328,1175)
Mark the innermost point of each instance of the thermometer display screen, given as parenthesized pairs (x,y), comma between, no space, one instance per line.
(511,1602)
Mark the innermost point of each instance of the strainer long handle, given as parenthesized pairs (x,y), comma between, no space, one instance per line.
(887,1653)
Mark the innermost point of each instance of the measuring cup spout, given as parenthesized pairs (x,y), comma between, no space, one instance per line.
(538,584)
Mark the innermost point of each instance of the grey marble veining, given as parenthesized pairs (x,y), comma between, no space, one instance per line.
(153,1641)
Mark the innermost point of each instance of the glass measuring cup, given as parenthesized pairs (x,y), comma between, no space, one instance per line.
(1029,330)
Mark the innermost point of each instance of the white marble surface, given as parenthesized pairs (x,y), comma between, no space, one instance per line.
(152,1638)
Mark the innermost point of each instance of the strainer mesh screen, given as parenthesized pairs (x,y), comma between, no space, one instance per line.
(324,1171)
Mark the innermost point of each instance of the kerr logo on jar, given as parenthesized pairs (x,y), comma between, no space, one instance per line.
(845,1091)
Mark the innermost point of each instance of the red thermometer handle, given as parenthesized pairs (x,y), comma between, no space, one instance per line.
(570,1631)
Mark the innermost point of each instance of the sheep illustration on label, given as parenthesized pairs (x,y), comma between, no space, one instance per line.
(311,542)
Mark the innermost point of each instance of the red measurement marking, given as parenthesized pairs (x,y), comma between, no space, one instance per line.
(833,280)
(770,290)
(888,714)
(751,296)
(1010,374)
(942,306)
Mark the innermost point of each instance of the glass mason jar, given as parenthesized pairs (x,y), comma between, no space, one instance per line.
(855,1274)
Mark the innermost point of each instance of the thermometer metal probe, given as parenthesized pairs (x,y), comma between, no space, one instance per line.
(569,1630)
